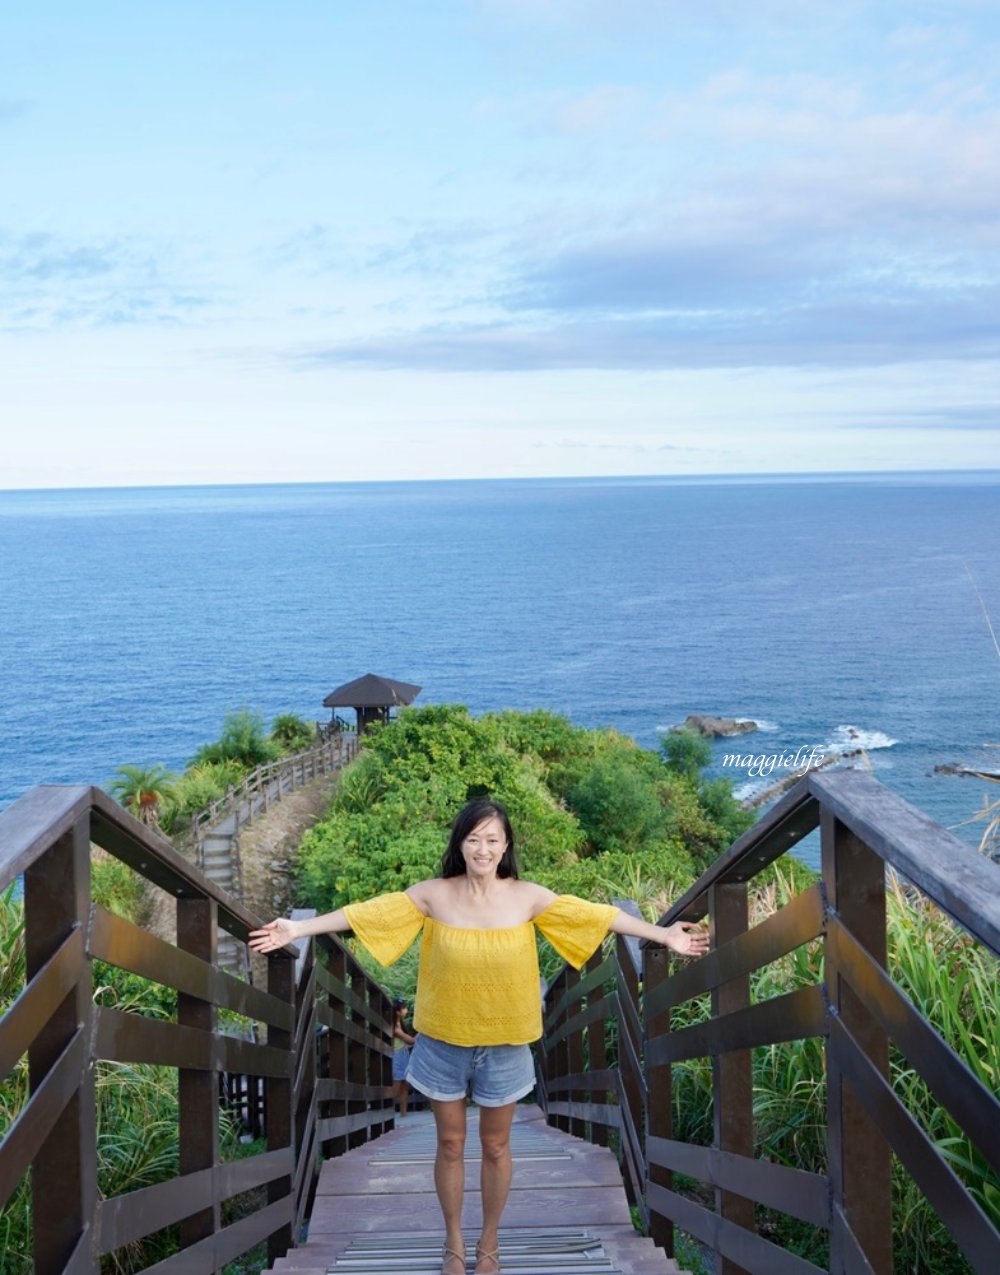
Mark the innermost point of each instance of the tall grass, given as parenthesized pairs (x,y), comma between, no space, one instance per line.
(136,1106)
(951,980)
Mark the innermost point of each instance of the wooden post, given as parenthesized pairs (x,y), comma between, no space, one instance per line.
(560,1054)
(198,1091)
(859,1158)
(337,1053)
(357,1060)
(543,1065)
(303,1099)
(629,1059)
(64,1176)
(655,971)
(574,1056)
(732,1073)
(379,1066)
(278,1098)
(597,1048)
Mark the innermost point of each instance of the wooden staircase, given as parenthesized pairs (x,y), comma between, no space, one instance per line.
(376,1211)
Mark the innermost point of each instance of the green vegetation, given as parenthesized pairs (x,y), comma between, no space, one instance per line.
(142,790)
(594,815)
(169,801)
(136,1105)
(244,740)
(600,817)
(951,980)
(591,810)
(293,734)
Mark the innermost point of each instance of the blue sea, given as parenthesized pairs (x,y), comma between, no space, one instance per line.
(832,610)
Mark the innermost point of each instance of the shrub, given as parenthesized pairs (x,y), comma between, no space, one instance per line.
(244,739)
(618,808)
(197,788)
(292,733)
(685,752)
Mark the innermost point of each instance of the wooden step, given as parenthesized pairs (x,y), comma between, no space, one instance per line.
(524,1251)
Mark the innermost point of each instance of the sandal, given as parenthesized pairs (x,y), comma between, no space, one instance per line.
(484,1255)
(447,1254)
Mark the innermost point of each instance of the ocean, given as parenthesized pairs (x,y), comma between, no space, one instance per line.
(834,611)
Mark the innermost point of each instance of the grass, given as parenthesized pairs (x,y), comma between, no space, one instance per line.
(951,980)
(136,1106)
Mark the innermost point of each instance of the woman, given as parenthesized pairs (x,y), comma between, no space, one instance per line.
(401,1042)
(477,1006)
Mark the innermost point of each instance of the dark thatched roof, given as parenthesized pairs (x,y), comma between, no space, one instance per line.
(371,691)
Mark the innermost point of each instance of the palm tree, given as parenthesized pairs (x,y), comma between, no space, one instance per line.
(140,789)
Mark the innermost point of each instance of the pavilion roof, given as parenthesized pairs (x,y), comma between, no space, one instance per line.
(372,691)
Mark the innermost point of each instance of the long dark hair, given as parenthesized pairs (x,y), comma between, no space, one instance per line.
(468,818)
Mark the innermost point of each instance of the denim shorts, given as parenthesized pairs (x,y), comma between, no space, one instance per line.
(400,1059)
(495,1074)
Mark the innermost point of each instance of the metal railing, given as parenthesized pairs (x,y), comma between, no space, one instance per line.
(319,1081)
(856,1009)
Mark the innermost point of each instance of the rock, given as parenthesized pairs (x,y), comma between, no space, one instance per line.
(948,768)
(717,727)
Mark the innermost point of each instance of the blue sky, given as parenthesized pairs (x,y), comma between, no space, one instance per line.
(327,241)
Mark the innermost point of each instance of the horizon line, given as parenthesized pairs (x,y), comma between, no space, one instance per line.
(735,476)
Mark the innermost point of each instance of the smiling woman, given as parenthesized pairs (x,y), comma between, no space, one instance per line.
(478,1006)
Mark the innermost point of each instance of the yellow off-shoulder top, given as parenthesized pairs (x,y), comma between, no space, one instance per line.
(478,987)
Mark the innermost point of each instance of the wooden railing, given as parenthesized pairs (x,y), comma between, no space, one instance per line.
(270,782)
(319,1081)
(856,1009)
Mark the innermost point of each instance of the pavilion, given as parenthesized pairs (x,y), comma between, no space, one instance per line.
(371,697)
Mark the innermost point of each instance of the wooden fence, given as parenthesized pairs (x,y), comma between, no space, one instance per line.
(270,782)
(856,1009)
(323,1070)
(608,1055)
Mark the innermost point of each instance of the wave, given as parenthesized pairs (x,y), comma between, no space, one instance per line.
(848,738)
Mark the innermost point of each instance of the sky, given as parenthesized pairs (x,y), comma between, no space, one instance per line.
(332,241)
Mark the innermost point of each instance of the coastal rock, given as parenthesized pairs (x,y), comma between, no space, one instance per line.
(949,768)
(717,727)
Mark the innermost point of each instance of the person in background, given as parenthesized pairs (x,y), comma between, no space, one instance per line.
(477,1005)
(401,1042)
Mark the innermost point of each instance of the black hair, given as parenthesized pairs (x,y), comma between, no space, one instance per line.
(469,818)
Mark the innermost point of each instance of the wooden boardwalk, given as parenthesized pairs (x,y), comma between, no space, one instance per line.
(375,1208)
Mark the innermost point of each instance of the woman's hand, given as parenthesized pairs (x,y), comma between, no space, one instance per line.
(274,935)
(686,938)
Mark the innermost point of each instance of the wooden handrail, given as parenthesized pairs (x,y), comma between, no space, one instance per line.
(945,869)
(856,1010)
(320,1080)
(287,772)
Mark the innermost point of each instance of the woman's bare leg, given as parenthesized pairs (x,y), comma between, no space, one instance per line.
(494,1134)
(449,1176)
(401,1095)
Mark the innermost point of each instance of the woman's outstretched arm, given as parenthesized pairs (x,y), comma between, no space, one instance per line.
(686,938)
(284,930)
